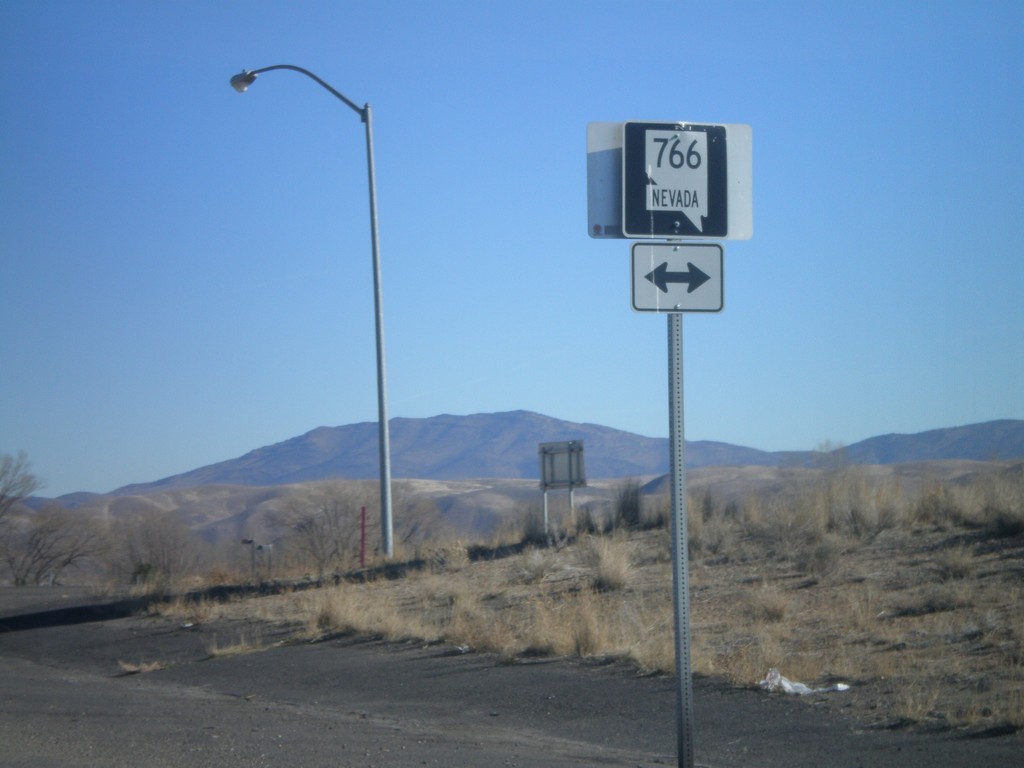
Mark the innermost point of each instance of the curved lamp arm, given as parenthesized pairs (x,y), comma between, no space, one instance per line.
(247,77)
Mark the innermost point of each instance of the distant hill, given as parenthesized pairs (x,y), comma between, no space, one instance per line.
(990,441)
(440,448)
(504,445)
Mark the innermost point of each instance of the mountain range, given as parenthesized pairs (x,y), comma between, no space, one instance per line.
(505,445)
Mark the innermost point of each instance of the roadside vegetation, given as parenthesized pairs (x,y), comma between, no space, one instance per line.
(910,592)
(915,598)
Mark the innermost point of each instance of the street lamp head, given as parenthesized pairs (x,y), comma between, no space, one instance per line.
(242,81)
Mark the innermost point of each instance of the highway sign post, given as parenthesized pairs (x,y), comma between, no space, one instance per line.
(680,545)
(561,466)
(672,181)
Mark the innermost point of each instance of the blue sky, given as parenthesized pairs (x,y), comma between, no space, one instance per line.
(185,271)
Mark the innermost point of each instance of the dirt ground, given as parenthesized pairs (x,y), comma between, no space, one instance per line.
(86,685)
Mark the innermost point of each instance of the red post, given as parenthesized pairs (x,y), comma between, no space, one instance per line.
(362,538)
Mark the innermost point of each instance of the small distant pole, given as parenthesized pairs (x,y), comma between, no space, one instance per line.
(572,508)
(362,537)
(252,558)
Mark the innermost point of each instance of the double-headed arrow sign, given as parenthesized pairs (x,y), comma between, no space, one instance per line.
(677,277)
(661,277)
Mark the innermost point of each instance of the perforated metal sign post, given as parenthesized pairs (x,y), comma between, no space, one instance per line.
(680,545)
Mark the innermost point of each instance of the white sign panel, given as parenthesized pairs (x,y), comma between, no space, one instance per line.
(604,180)
(677,173)
(677,277)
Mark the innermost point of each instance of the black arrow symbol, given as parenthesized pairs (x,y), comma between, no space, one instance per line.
(661,277)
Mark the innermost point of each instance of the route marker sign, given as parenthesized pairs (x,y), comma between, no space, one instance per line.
(703,181)
(674,179)
(677,277)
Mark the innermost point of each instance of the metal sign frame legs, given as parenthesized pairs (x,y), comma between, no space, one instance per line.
(680,546)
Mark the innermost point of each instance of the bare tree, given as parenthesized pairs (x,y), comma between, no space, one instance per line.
(418,520)
(320,529)
(155,548)
(39,546)
(17,483)
(324,529)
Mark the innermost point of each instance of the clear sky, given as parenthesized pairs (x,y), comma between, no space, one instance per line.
(185,271)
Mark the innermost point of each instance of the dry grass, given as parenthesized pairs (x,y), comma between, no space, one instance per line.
(535,565)
(956,562)
(608,558)
(245,642)
(913,597)
(189,610)
(142,667)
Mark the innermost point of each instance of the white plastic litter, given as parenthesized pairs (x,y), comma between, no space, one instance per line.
(774,682)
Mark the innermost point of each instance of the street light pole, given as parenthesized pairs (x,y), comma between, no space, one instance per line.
(252,558)
(240,83)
